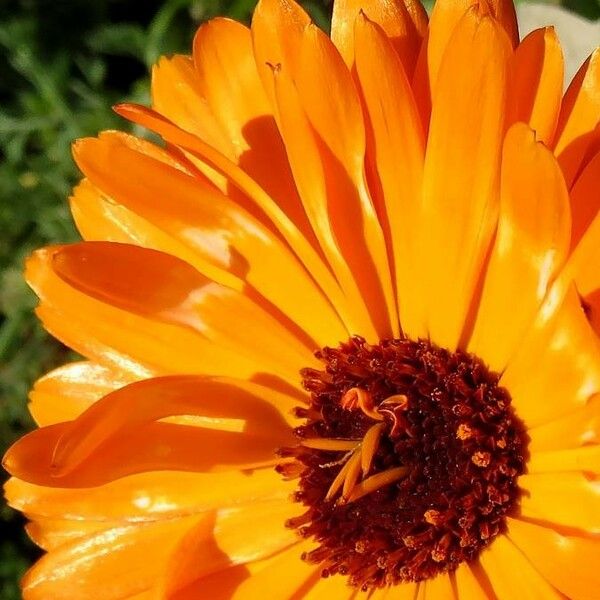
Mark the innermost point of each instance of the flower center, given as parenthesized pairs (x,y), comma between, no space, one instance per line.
(407,462)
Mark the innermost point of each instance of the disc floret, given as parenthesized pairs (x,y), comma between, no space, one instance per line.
(407,461)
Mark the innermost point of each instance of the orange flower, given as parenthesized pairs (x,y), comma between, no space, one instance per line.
(353,261)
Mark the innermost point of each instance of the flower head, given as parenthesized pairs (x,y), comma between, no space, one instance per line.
(341,331)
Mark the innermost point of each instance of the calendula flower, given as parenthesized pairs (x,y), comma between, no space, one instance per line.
(341,331)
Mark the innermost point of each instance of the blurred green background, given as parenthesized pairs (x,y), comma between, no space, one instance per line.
(63,63)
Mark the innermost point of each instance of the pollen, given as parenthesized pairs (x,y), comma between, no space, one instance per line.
(433,517)
(406,463)
(481,459)
(464,432)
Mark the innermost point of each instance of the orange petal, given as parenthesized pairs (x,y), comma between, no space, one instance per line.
(585,459)
(150,447)
(550,498)
(337,115)
(218,236)
(537,83)
(277,28)
(582,426)
(594,146)
(103,344)
(162,287)
(168,156)
(125,341)
(220,585)
(582,264)
(106,206)
(228,79)
(419,15)
(460,190)
(504,12)
(468,584)
(324,188)
(402,591)
(445,17)
(243,535)
(99,218)
(131,278)
(585,200)
(531,245)
(582,268)
(284,575)
(148,496)
(147,595)
(569,563)
(312,178)
(121,280)
(338,120)
(113,561)
(512,575)
(109,560)
(63,394)
(333,587)
(50,534)
(176,94)
(397,159)
(240,180)
(579,115)
(556,369)
(592,308)
(404,23)
(259,410)
(438,588)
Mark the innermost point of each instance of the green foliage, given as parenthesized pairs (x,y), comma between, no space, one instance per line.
(586,8)
(63,63)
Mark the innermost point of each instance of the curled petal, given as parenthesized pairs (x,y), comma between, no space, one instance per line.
(258,409)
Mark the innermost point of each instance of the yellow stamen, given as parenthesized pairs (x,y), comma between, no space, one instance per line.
(358,398)
(340,478)
(361,453)
(354,466)
(330,444)
(373,483)
(369,447)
